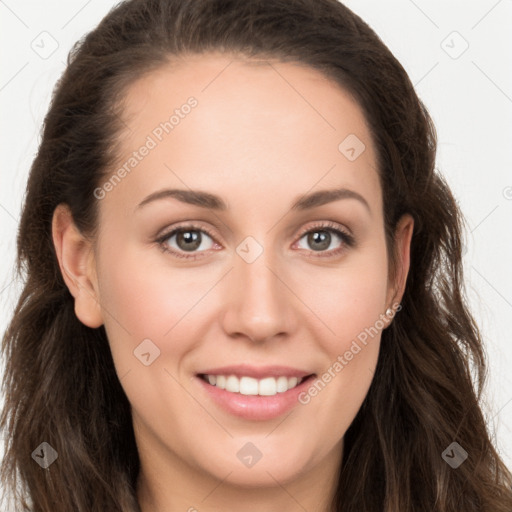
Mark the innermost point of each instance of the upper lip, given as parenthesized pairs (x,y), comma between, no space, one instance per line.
(257,372)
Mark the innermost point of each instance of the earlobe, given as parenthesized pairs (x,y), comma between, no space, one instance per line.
(77,266)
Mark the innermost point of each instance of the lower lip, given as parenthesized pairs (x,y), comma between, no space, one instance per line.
(256,407)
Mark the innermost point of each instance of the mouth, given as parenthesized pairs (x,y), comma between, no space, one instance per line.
(250,386)
(261,395)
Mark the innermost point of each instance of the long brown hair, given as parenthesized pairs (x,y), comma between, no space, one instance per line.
(60,383)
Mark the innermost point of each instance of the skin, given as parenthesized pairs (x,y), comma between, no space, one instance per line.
(262,135)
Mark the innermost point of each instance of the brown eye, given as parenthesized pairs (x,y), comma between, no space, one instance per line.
(319,240)
(326,240)
(186,239)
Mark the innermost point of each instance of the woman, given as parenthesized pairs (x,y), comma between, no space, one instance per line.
(310,349)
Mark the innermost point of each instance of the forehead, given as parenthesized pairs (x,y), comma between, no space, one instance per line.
(256,126)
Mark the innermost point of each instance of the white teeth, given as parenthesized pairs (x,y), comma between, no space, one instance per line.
(232,384)
(269,386)
(248,385)
(282,384)
(221,381)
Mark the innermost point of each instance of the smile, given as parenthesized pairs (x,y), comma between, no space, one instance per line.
(269,386)
(254,393)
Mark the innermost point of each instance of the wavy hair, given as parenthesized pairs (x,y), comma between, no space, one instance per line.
(60,383)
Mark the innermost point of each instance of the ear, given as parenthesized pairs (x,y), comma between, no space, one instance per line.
(402,240)
(77,265)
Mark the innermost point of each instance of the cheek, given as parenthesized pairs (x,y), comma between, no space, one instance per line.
(352,310)
(354,305)
(147,311)
(143,301)
(351,298)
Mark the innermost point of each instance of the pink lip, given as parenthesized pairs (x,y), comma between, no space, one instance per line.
(244,370)
(254,407)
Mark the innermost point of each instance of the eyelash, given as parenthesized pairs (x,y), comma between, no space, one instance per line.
(347,239)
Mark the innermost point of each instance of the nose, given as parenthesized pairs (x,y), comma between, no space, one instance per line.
(259,305)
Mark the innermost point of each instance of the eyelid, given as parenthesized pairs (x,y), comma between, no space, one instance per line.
(191,225)
(328,226)
(348,240)
(184,226)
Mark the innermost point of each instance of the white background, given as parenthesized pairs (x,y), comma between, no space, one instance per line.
(469,98)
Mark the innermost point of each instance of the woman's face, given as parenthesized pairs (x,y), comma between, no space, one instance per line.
(258,287)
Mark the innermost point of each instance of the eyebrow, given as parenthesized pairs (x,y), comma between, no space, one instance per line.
(213,202)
